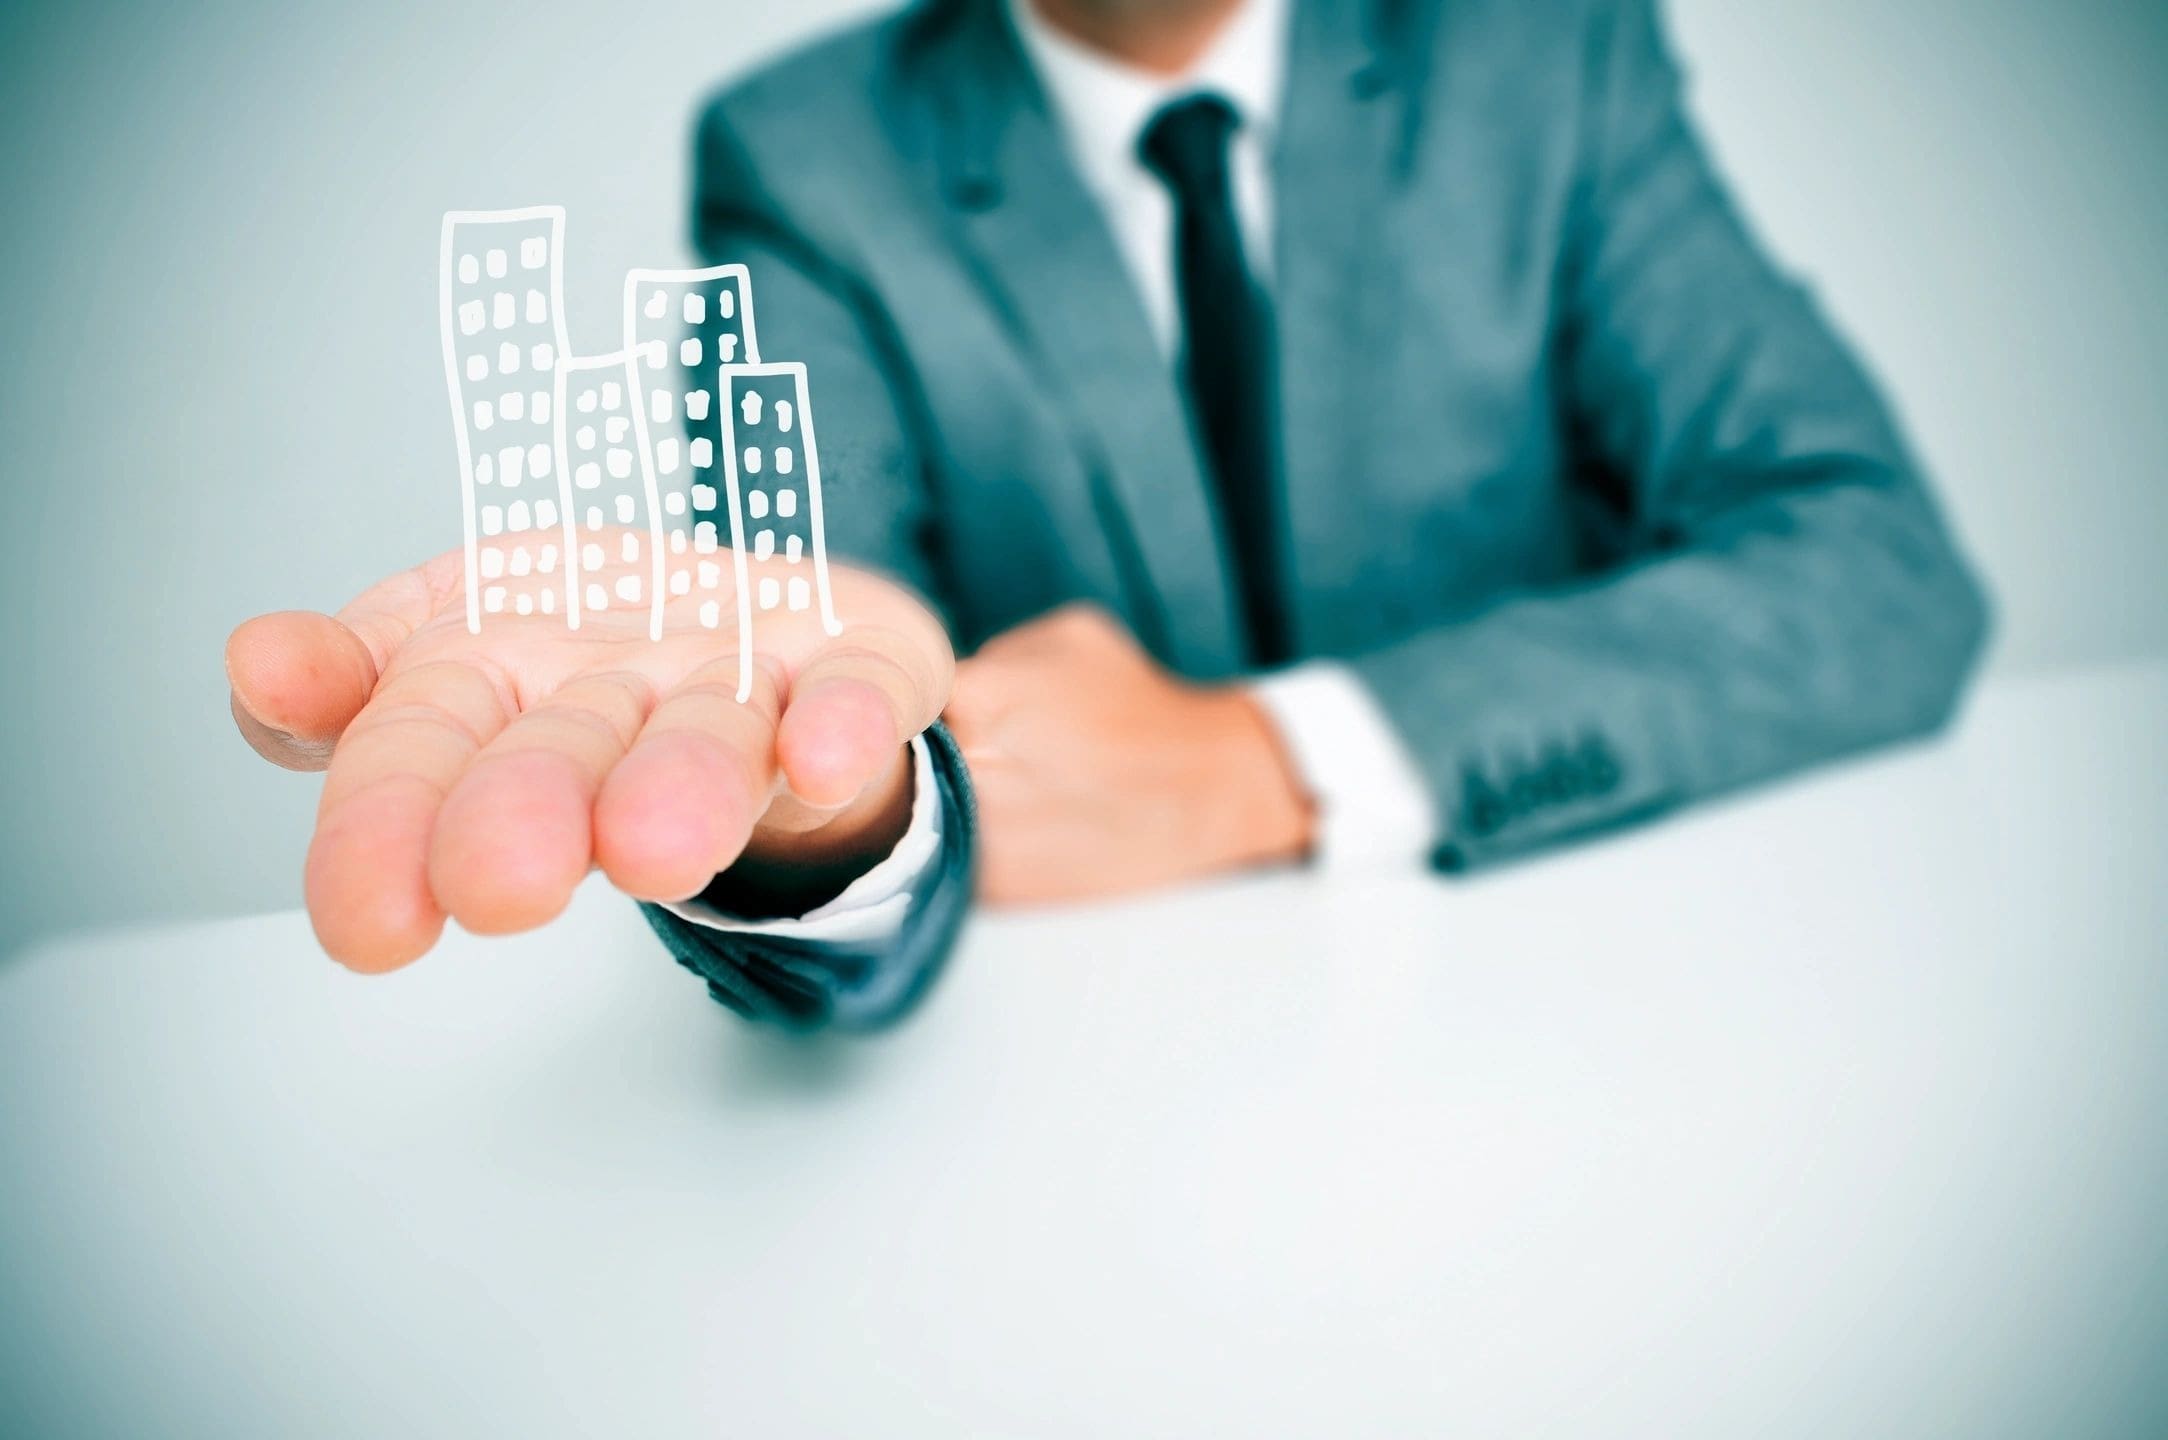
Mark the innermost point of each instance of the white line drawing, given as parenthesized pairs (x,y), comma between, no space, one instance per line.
(685,387)
(606,505)
(764,433)
(500,298)
(699,318)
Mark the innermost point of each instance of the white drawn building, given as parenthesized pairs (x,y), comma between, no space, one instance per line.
(613,524)
(606,483)
(680,326)
(501,301)
(772,472)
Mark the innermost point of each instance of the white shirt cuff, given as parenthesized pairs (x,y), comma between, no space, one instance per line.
(1373,809)
(872,907)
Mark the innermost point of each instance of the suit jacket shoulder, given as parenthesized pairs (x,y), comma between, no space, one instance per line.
(822,137)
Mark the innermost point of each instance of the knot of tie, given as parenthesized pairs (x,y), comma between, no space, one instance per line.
(1185,144)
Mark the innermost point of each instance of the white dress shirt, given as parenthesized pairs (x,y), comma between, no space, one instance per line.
(1372,807)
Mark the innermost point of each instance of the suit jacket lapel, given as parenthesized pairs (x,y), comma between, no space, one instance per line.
(1049,264)
(1345,135)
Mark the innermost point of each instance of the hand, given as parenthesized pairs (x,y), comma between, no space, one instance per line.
(1098,772)
(480,777)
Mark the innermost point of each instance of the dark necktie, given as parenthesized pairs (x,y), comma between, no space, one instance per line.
(1227,354)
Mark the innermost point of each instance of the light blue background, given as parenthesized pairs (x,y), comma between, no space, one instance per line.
(223,392)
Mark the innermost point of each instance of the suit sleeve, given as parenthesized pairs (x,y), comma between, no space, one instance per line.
(848,986)
(1789,594)
(807,309)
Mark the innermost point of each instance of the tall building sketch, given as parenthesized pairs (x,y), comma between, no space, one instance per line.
(589,483)
(680,326)
(501,303)
(613,525)
(772,472)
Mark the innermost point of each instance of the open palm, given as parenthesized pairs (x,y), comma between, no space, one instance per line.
(482,776)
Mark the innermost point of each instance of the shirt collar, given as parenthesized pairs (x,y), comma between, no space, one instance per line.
(1103,105)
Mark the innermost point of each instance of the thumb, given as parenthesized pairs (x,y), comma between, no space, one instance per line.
(298,677)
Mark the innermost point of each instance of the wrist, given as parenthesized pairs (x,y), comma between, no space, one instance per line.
(1268,816)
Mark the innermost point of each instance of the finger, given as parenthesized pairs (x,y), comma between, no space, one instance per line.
(367,881)
(514,836)
(679,807)
(852,706)
(298,678)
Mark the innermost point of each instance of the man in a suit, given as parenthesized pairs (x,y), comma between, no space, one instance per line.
(1337,432)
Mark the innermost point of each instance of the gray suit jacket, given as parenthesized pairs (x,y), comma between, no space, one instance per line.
(1583,489)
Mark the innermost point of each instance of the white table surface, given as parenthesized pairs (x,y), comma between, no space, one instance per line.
(1840,1110)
